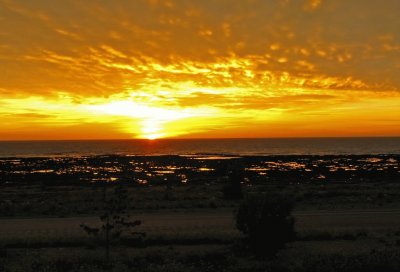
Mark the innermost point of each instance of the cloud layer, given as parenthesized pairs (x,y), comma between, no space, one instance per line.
(214,68)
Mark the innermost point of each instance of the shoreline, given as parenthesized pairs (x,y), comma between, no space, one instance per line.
(210,156)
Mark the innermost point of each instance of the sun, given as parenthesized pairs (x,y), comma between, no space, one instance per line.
(152,128)
(153,137)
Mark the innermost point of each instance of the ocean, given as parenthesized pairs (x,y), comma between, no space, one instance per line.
(270,146)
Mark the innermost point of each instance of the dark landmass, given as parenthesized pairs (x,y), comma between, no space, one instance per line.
(347,211)
(71,186)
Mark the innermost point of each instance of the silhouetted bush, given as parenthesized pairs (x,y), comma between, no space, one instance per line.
(233,186)
(267,223)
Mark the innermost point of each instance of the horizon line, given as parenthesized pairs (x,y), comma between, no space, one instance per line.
(216,138)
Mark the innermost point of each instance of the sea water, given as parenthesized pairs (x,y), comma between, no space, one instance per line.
(271,146)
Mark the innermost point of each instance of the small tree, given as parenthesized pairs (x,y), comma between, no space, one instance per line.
(267,223)
(115,219)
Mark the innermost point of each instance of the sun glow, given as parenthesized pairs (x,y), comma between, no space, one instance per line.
(152,120)
(151,129)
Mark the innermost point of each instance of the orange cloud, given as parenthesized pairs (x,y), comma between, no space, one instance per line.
(168,69)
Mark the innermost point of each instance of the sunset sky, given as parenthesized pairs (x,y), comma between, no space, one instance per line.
(100,69)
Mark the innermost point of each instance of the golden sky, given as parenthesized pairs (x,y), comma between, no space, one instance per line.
(98,69)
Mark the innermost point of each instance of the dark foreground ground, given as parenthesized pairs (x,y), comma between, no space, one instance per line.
(347,212)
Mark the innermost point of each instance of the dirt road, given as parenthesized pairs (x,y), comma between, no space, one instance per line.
(205,221)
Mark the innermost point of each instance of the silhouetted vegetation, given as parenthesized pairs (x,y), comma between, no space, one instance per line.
(266,221)
(232,188)
(115,220)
